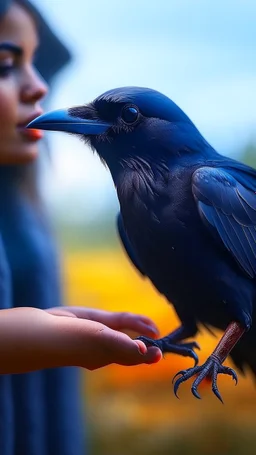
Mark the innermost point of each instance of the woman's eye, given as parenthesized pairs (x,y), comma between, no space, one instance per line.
(5,70)
(7,64)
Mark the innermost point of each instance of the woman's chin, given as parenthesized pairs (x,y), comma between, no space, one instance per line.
(21,155)
(28,155)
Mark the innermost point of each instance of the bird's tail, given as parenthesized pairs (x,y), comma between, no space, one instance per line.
(244,353)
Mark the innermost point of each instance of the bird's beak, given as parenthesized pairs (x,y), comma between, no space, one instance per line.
(61,120)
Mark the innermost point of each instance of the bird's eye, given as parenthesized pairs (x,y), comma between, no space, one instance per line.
(130,114)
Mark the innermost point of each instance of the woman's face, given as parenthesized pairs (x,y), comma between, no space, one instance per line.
(21,88)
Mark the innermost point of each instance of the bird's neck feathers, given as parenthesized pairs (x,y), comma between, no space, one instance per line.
(135,168)
(140,182)
(154,149)
(162,154)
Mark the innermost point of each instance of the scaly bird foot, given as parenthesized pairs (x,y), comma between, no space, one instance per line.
(212,367)
(165,345)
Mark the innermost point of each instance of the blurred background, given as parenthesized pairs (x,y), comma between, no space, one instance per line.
(202,55)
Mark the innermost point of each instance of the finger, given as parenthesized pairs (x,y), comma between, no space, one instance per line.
(147,329)
(60,312)
(153,355)
(131,352)
(139,324)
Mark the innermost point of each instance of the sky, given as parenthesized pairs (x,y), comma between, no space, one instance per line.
(199,53)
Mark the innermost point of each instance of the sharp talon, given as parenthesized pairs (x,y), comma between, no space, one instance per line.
(195,357)
(176,387)
(217,394)
(181,372)
(194,345)
(195,392)
(211,368)
(176,394)
(197,346)
(231,372)
(234,376)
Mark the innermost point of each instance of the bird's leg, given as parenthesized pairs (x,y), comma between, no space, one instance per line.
(213,365)
(171,342)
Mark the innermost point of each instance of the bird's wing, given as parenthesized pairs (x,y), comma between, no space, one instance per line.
(127,244)
(228,209)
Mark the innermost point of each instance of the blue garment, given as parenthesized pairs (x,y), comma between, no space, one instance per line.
(42,409)
(6,400)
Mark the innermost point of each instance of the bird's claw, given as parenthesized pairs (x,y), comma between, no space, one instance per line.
(212,367)
(187,350)
(191,345)
(149,341)
(166,345)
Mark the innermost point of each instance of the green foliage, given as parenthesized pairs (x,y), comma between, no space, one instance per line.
(248,154)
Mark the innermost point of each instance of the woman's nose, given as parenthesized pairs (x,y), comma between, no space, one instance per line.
(34,88)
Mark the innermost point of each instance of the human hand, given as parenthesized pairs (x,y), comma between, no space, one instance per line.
(92,345)
(121,321)
(32,339)
(104,346)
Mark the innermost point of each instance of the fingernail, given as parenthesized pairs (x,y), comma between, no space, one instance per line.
(142,347)
(152,329)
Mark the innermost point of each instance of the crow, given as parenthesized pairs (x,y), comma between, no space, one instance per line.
(187,219)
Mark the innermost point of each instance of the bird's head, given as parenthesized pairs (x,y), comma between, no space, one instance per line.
(126,124)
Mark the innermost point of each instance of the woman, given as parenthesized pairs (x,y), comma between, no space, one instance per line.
(40,412)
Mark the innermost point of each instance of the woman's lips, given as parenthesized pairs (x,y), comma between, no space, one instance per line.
(31,135)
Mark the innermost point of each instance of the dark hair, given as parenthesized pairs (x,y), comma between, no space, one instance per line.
(52,56)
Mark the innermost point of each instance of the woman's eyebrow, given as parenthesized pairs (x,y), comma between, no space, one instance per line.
(10,47)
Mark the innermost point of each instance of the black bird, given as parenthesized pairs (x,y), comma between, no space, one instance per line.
(187,218)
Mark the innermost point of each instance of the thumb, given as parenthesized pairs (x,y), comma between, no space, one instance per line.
(134,352)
